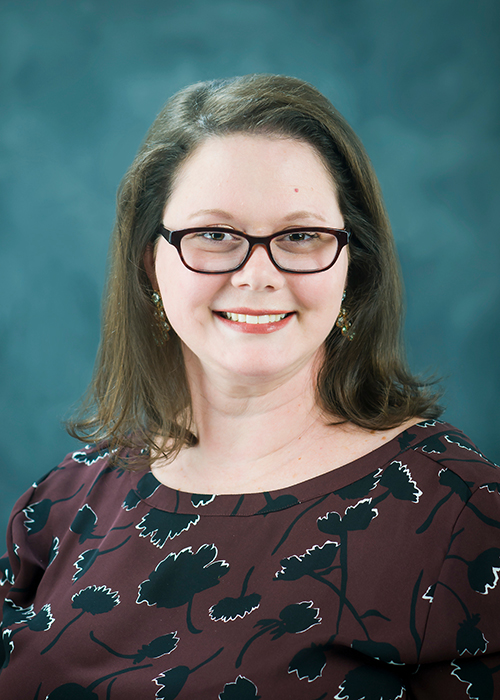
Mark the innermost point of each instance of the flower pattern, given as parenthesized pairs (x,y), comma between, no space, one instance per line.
(369,582)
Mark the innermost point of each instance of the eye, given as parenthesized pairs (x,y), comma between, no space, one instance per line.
(218,235)
(299,239)
(298,236)
(215,236)
(215,240)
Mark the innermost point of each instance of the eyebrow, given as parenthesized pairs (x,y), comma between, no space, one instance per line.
(303,214)
(214,212)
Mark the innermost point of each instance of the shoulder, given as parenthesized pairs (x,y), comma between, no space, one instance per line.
(80,468)
(459,487)
(84,476)
(439,447)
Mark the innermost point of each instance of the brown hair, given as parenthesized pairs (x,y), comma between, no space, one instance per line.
(140,389)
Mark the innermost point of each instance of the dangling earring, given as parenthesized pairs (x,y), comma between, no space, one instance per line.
(344,323)
(163,327)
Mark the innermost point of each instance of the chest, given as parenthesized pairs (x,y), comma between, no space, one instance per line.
(280,598)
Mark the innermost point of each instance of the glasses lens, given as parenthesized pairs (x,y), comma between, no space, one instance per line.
(213,251)
(304,251)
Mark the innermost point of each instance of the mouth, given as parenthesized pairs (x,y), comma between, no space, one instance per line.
(253,319)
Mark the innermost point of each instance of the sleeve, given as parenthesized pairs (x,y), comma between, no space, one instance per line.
(21,567)
(460,650)
(32,544)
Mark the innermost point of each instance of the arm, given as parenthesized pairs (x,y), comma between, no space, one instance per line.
(461,646)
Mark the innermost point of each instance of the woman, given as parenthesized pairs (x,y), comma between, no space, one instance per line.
(272,509)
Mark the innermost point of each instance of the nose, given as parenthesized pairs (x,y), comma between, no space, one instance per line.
(259,272)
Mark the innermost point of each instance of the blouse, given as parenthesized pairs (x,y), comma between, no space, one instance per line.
(375,581)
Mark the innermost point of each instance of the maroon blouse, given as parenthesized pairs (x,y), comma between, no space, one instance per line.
(375,581)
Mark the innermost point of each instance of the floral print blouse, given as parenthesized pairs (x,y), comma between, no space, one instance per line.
(375,581)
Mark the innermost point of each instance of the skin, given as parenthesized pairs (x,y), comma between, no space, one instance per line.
(254,408)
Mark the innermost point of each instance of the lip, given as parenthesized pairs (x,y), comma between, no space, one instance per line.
(254,328)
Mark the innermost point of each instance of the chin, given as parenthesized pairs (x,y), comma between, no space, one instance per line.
(257,371)
(260,371)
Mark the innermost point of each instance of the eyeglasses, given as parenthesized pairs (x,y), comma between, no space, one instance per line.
(216,250)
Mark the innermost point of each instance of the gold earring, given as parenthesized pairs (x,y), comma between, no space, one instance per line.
(344,323)
(162,325)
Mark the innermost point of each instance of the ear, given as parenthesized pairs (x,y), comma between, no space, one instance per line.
(149,265)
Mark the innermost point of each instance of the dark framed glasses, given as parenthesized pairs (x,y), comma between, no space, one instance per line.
(213,251)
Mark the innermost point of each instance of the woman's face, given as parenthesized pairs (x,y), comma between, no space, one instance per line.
(260,185)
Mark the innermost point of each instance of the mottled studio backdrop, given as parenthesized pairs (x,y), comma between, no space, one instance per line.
(81,81)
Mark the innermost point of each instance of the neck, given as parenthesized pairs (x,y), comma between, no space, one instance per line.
(247,430)
(256,436)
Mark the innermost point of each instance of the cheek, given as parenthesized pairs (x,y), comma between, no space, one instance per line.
(321,293)
(187,295)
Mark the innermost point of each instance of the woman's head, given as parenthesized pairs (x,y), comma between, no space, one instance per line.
(364,380)
(275,190)
(262,104)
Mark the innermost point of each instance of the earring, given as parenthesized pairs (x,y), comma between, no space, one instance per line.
(344,323)
(162,324)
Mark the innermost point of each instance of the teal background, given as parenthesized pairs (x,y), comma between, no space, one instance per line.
(80,83)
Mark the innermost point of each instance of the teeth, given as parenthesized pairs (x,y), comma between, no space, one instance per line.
(243,318)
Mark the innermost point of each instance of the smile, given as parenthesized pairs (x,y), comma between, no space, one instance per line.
(244,318)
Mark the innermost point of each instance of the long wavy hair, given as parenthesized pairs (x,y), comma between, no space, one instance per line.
(139,393)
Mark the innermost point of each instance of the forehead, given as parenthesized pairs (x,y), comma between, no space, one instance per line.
(246,172)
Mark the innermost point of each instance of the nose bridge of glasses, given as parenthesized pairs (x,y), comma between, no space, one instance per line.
(256,242)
